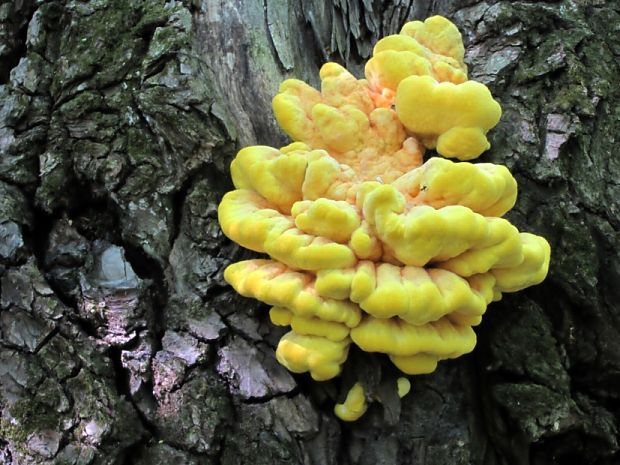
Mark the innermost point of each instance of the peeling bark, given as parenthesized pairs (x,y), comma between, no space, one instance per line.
(120,342)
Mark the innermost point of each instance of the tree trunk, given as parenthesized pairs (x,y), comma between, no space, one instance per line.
(122,344)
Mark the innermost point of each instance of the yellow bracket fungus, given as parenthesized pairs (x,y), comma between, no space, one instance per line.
(354,406)
(403,386)
(445,116)
(366,243)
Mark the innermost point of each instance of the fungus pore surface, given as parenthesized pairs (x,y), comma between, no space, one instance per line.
(366,243)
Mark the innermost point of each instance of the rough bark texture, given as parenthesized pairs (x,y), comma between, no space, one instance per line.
(120,342)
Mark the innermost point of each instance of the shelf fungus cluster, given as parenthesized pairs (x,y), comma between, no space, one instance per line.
(365,242)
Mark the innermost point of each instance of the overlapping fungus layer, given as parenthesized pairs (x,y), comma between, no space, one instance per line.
(366,243)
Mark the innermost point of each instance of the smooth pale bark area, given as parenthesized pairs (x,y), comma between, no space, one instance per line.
(122,344)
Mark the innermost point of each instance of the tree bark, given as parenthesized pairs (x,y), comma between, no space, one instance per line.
(120,342)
